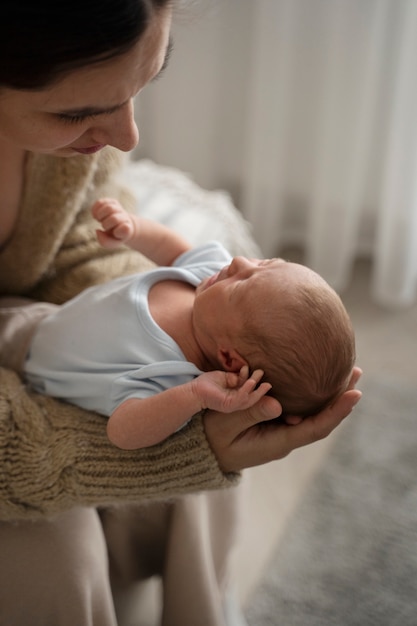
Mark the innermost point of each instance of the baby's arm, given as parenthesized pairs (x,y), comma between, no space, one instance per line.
(157,242)
(138,423)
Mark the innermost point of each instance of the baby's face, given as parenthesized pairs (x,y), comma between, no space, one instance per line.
(241,290)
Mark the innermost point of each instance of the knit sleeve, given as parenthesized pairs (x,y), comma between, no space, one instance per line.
(55,456)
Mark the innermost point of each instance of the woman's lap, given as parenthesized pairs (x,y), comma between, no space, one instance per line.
(56,572)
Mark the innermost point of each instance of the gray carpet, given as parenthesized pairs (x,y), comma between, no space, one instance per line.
(349,555)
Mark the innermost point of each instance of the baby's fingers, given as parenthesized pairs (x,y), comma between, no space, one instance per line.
(114,221)
(257,376)
(106,240)
(243,374)
(250,387)
(261,391)
(122,231)
(233,380)
(102,208)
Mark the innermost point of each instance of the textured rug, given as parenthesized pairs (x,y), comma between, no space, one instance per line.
(349,555)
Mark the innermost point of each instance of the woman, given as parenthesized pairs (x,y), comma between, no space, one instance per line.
(69,74)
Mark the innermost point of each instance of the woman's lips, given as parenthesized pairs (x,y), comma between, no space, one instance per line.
(90,149)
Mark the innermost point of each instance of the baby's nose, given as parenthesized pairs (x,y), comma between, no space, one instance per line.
(240,263)
(237,264)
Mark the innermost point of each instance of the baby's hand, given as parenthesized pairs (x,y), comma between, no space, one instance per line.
(118,225)
(227,392)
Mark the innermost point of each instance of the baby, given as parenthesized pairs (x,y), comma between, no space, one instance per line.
(201,331)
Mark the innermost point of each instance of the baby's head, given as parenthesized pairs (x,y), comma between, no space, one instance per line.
(298,331)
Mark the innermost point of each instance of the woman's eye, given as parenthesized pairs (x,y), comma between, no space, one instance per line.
(74,119)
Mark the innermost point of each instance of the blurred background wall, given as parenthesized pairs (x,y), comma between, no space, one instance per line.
(305,111)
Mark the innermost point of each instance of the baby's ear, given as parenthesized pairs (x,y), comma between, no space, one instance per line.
(230,360)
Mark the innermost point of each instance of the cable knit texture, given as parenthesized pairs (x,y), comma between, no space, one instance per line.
(54,456)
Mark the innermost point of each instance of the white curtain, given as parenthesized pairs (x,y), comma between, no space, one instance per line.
(308,114)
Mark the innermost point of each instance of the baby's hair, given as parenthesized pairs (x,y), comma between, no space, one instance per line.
(42,40)
(306,348)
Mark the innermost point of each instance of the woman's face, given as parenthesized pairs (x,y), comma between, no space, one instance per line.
(89,108)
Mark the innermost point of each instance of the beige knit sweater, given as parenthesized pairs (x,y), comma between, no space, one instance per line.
(54,456)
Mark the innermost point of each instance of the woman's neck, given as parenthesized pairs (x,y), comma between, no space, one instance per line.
(12,164)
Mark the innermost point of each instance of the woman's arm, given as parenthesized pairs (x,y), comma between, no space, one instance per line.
(54,456)
(19,318)
(157,242)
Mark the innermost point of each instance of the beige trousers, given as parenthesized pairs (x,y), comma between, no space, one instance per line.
(68,570)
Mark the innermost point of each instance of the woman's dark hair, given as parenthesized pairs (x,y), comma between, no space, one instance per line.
(41,40)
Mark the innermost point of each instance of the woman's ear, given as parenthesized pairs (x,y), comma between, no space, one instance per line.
(230,360)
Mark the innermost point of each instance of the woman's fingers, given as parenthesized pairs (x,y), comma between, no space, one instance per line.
(356,374)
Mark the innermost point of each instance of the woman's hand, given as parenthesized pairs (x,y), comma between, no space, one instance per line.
(248,438)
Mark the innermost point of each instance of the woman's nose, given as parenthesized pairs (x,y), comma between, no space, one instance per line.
(120,129)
